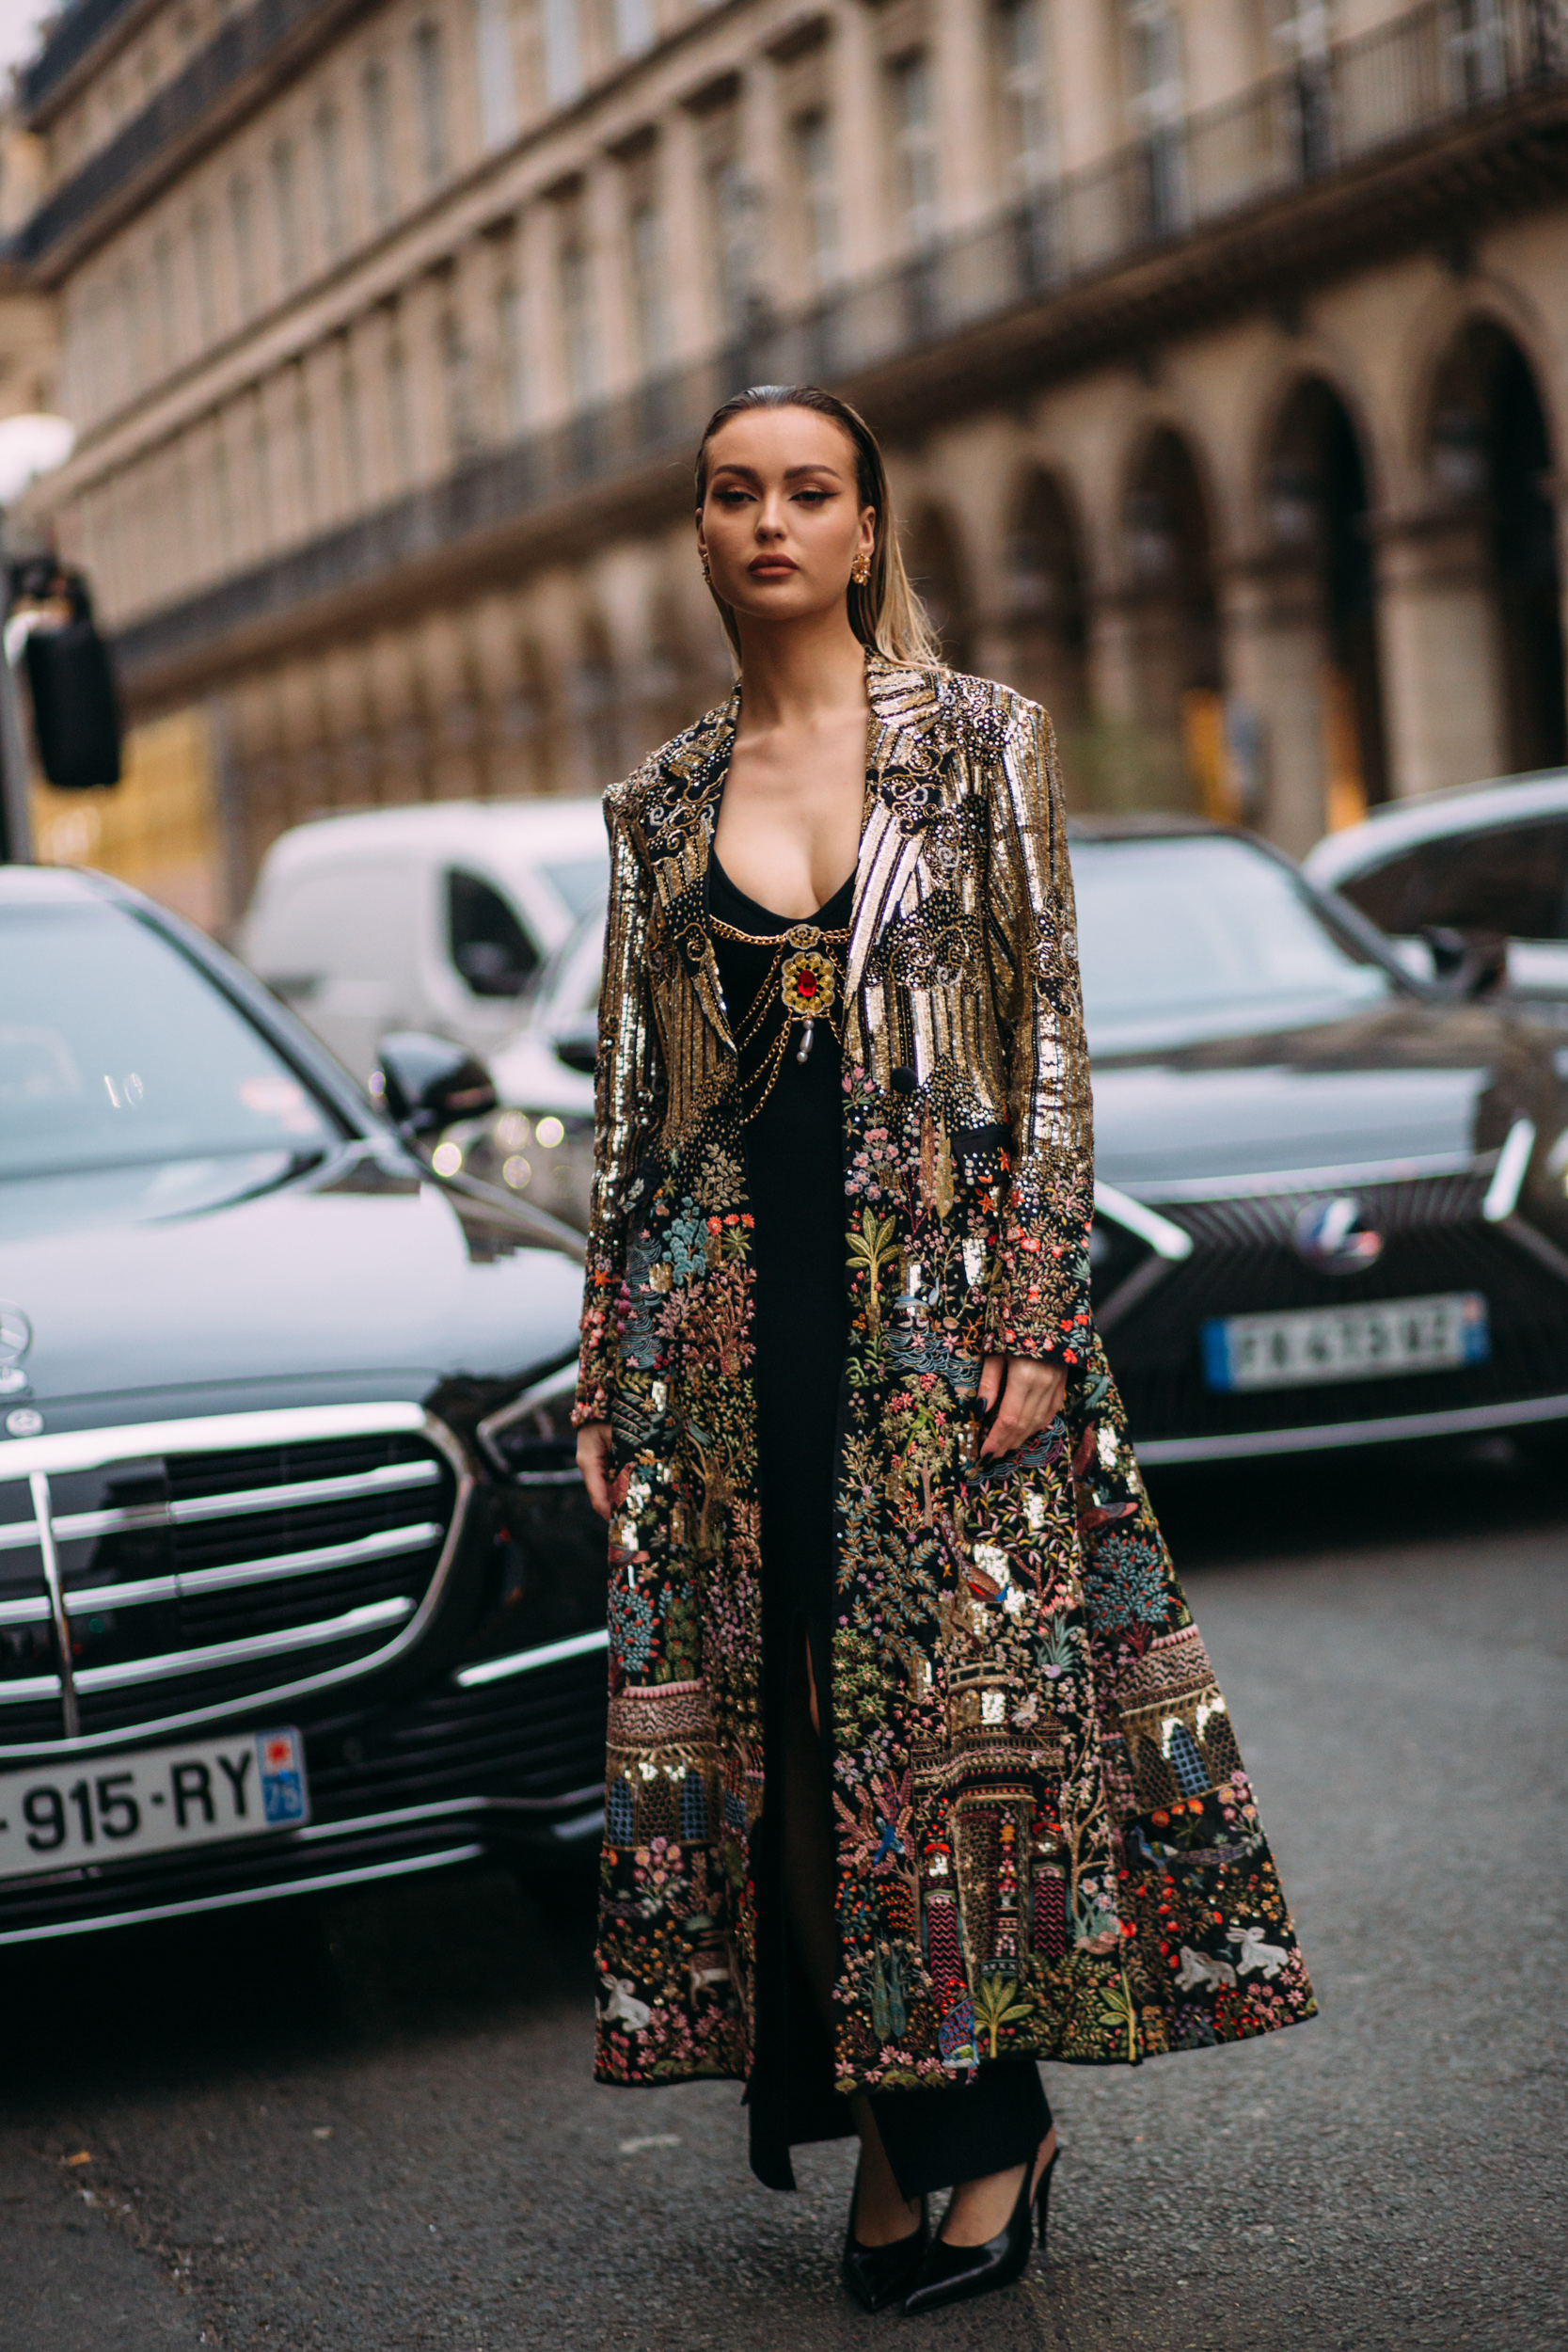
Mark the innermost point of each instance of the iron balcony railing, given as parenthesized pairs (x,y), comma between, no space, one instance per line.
(242,45)
(1436,66)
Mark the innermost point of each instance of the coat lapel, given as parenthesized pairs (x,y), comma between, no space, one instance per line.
(905,754)
(905,758)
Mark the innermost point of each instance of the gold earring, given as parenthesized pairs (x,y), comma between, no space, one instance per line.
(707,574)
(860,571)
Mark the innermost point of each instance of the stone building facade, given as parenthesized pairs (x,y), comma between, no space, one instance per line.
(1221,347)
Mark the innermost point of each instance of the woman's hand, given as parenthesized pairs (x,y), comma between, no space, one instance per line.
(594,1440)
(1031,1394)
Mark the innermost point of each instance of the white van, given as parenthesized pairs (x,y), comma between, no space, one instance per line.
(432,917)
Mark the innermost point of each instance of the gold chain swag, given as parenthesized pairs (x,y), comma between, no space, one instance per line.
(806,986)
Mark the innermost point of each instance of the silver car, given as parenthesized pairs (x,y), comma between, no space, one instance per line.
(1452,877)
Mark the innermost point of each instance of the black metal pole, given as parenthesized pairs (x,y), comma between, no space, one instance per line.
(16,815)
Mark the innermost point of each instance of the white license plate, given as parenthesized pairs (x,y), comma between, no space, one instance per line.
(101,1808)
(1361,1342)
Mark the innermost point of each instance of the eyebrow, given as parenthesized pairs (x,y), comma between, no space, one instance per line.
(792,473)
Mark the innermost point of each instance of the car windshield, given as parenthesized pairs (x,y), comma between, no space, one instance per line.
(117,1052)
(1205,937)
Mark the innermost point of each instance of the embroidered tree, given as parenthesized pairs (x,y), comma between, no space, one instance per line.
(997,2005)
(872,1250)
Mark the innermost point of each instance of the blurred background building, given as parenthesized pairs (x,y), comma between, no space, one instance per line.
(1219,345)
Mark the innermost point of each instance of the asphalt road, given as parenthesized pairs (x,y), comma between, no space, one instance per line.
(370,2126)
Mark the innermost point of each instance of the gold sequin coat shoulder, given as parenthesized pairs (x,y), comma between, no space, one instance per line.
(1046,1844)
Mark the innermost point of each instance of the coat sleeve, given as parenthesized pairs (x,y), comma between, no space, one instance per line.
(625,1092)
(1038,1299)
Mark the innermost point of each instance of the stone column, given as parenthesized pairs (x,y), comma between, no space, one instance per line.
(1272,624)
(1442,668)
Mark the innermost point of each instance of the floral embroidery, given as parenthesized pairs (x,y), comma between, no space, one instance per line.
(1047,1845)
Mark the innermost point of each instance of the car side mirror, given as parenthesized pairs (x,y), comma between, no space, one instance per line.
(1467,964)
(428,1083)
(577,1044)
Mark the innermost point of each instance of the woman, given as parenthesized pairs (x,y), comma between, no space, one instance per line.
(918,1774)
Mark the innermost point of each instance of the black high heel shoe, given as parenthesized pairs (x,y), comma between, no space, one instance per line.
(877,2276)
(954,2274)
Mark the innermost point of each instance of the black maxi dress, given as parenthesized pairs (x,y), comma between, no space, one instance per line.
(795,1182)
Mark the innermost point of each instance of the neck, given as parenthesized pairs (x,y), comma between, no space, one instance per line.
(800,674)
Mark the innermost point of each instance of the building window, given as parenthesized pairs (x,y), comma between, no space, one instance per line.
(329,174)
(206,276)
(164,294)
(634,28)
(813,166)
(1156,102)
(351,434)
(511,356)
(400,422)
(576,307)
(732,209)
(130,329)
(563,51)
(462,425)
(305,454)
(914,151)
(430,79)
(260,469)
(649,279)
(378,140)
(1299,35)
(286,205)
(242,224)
(223,502)
(1025,105)
(497,79)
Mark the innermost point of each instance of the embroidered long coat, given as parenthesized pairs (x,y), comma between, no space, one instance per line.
(1047,1846)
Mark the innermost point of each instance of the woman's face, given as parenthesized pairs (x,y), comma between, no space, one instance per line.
(782,523)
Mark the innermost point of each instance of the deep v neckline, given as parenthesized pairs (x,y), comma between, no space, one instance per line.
(771,915)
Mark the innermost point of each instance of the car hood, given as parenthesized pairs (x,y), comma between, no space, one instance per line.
(362,1273)
(1408,1084)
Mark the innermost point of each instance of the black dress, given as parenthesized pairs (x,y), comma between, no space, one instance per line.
(795,1183)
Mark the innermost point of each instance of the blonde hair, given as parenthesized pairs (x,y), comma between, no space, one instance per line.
(885,614)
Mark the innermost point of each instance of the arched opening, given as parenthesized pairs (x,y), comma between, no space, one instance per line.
(1316,504)
(1174,630)
(932,557)
(1491,454)
(1047,615)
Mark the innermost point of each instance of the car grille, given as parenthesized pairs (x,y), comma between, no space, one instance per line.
(160,1575)
(1244,1262)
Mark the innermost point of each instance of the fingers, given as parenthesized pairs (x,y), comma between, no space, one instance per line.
(994,1371)
(594,1444)
(1030,1402)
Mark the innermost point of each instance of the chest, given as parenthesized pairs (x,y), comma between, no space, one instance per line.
(789,822)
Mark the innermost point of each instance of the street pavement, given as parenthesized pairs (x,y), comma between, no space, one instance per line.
(369,2124)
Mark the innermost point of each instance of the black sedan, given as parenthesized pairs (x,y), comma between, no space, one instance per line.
(298,1586)
(1331,1203)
